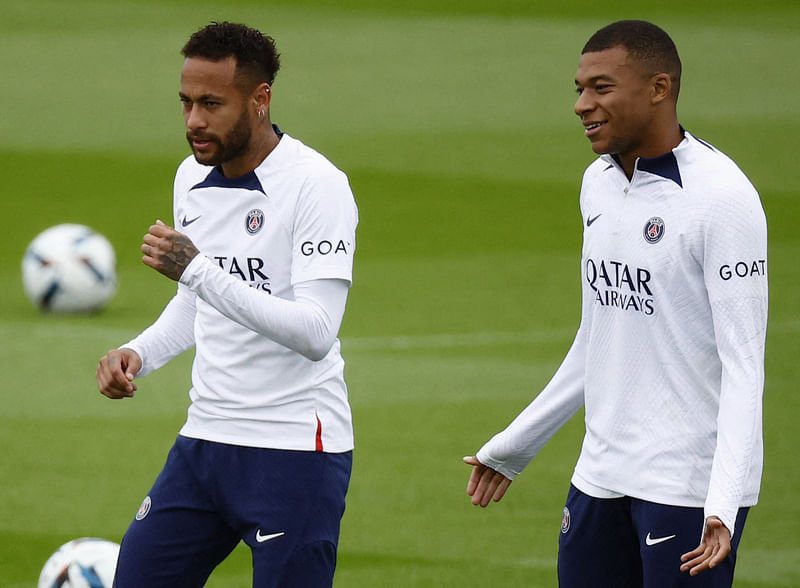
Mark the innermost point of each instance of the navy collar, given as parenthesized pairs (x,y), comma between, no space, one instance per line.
(216,179)
(665,166)
(249,181)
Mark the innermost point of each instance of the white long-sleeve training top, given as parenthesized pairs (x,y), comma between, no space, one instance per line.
(263,302)
(669,356)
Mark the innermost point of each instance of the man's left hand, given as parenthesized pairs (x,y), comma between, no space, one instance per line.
(713,549)
(167,251)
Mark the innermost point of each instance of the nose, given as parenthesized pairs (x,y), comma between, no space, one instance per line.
(194,117)
(583,104)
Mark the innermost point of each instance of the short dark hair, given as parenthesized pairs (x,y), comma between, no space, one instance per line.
(645,42)
(257,58)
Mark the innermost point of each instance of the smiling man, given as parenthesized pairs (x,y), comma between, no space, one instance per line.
(668,360)
(263,263)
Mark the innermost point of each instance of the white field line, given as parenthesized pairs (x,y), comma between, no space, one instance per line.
(443,340)
(69,331)
(482,339)
(784,327)
(84,331)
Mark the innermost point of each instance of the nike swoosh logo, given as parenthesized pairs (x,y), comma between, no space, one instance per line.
(186,223)
(261,538)
(650,541)
(589,221)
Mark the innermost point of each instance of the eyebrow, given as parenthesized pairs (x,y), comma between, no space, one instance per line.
(200,98)
(595,79)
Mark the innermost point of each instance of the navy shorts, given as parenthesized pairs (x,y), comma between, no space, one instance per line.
(630,543)
(286,505)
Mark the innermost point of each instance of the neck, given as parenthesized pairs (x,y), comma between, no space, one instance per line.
(264,141)
(664,140)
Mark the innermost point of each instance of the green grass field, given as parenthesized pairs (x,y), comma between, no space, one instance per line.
(454,122)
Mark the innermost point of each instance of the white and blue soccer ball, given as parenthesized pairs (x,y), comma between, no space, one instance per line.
(69,268)
(87,562)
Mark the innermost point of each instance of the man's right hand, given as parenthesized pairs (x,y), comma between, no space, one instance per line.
(485,484)
(116,372)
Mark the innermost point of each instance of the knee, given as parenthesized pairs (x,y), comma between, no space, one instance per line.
(312,565)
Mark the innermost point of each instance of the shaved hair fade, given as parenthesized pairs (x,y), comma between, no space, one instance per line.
(257,58)
(646,43)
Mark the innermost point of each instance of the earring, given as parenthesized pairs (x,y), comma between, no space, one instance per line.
(260,114)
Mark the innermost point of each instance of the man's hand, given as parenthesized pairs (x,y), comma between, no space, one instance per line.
(116,372)
(167,251)
(713,549)
(485,484)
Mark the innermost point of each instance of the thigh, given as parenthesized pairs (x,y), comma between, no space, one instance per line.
(176,538)
(667,532)
(313,564)
(287,506)
(597,546)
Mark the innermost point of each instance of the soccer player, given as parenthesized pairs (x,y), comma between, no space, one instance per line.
(262,253)
(668,360)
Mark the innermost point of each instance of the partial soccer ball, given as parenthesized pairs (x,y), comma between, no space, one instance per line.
(69,268)
(88,562)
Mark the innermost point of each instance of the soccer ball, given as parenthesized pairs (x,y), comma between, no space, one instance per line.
(69,268)
(88,562)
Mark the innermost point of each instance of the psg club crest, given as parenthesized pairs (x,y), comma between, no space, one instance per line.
(254,221)
(144,509)
(654,230)
(565,520)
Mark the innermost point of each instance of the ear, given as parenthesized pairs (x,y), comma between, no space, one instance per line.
(660,87)
(262,96)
